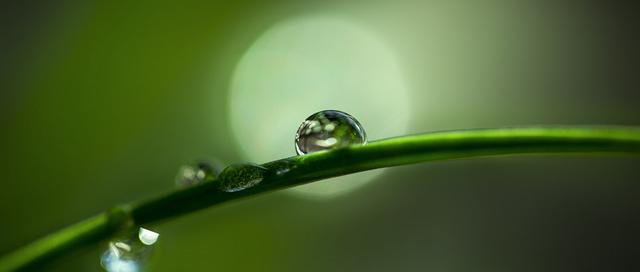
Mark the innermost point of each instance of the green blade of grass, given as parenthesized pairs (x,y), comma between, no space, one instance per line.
(326,164)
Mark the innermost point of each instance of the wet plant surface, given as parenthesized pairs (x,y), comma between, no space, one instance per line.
(241,180)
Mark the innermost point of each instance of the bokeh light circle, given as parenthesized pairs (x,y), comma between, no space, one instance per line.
(308,64)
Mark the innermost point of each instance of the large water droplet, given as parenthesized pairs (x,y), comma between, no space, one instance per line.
(197,173)
(237,177)
(130,253)
(329,129)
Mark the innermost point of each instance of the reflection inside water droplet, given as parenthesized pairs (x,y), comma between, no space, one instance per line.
(238,177)
(197,173)
(130,253)
(113,261)
(328,129)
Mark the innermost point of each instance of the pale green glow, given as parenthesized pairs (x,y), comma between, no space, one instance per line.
(308,64)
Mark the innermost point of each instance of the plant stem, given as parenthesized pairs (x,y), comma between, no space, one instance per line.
(321,165)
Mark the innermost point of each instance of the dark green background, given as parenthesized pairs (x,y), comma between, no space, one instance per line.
(101,102)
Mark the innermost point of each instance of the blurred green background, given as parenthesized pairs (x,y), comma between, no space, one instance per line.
(101,102)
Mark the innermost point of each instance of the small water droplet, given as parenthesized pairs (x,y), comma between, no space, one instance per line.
(329,129)
(197,173)
(129,253)
(147,237)
(237,177)
(282,167)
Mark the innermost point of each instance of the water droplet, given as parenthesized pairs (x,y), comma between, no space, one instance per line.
(147,237)
(130,253)
(329,129)
(281,167)
(197,173)
(237,177)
